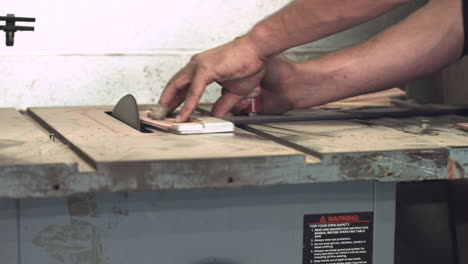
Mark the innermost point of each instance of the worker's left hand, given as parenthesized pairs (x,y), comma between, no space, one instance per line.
(235,60)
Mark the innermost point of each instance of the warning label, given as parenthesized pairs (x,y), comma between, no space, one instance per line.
(338,238)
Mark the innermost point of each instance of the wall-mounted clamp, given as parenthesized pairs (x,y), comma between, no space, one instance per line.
(10,26)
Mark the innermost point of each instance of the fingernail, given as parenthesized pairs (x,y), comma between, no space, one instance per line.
(177,119)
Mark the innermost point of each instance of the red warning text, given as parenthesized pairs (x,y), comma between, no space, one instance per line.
(337,219)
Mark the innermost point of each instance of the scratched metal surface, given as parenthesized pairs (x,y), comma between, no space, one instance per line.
(309,152)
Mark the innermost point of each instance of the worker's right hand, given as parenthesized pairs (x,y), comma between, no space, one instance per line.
(235,60)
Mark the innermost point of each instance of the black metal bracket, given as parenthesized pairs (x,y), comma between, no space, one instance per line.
(10,27)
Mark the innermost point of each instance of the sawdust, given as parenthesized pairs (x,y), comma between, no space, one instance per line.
(159,112)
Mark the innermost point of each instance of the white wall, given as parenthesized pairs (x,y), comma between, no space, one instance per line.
(93,52)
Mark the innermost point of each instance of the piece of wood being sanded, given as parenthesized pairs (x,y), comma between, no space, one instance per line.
(196,125)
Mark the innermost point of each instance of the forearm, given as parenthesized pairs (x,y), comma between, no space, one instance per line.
(429,39)
(304,21)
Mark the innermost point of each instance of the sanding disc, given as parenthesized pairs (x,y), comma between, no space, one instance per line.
(126,110)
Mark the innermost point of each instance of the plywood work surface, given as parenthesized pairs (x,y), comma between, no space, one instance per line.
(440,131)
(124,159)
(329,137)
(23,143)
(103,139)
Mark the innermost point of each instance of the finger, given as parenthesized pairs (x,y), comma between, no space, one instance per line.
(246,102)
(178,99)
(194,93)
(241,106)
(257,91)
(224,104)
(173,94)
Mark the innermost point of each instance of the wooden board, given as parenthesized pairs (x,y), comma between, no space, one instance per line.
(331,137)
(441,131)
(125,159)
(101,139)
(196,125)
(24,143)
(165,124)
(32,164)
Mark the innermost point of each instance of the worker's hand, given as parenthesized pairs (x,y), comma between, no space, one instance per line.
(274,83)
(235,60)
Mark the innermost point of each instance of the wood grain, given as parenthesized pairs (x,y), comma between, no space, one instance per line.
(165,124)
(331,137)
(99,138)
(441,131)
(24,143)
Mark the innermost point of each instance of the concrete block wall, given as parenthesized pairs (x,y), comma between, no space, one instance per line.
(93,52)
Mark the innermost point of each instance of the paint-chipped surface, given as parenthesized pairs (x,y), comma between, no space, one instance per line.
(387,149)
(83,205)
(457,168)
(75,243)
(392,166)
(76,235)
(185,226)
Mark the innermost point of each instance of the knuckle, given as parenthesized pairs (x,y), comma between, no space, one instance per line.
(195,58)
(199,63)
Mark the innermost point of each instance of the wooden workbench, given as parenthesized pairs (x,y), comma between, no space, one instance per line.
(57,151)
